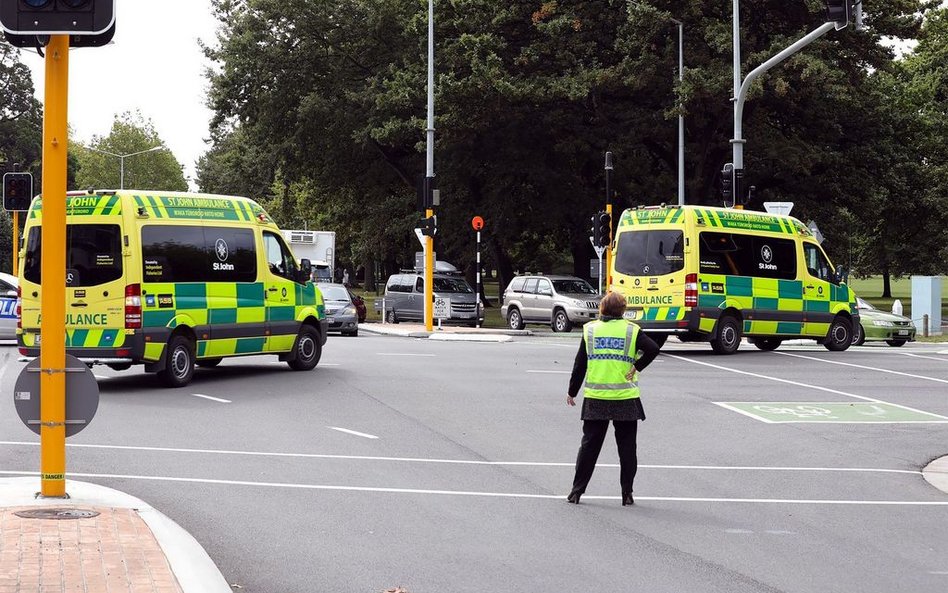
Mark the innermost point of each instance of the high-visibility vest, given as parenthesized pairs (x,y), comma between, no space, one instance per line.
(610,350)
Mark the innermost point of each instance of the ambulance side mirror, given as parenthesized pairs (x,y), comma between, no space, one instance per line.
(306,269)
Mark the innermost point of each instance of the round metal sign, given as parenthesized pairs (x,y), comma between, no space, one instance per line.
(82,395)
(477,222)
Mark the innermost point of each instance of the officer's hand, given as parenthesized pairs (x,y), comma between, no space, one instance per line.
(632,375)
(570,400)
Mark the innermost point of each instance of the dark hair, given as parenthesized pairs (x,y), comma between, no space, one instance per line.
(612,305)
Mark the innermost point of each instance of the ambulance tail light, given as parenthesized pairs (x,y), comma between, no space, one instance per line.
(691,290)
(133,306)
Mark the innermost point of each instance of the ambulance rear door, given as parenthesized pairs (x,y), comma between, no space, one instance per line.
(650,271)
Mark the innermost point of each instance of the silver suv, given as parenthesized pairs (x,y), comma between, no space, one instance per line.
(561,301)
(405,298)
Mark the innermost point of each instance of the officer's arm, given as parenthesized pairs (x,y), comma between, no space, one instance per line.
(579,370)
(647,350)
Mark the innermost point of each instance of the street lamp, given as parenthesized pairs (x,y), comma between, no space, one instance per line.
(121,158)
(681,116)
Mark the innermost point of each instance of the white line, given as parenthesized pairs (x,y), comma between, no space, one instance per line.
(464,461)
(212,398)
(495,494)
(100,377)
(941,419)
(777,379)
(356,433)
(861,366)
(925,357)
(551,372)
(403,354)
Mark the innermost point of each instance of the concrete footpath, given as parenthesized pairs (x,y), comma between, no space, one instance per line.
(445,333)
(98,540)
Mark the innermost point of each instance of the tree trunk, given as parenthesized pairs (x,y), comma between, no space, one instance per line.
(886,283)
(368,265)
(504,267)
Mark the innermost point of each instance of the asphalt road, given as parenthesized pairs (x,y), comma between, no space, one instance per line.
(443,467)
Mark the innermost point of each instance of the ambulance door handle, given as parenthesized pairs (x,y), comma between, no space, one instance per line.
(809,287)
(80,305)
(273,289)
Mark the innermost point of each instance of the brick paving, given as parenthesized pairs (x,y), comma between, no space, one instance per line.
(114,552)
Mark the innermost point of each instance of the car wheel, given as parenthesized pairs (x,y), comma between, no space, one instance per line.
(728,338)
(390,317)
(840,336)
(659,339)
(179,368)
(307,350)
(561,322)
(896,343)
(767,344)
(859,335)
(209,363)
(514,319)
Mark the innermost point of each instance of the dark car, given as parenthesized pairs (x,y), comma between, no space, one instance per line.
(340,310)
(359,303)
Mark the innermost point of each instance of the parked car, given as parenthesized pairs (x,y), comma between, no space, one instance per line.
(340,310)
(560,301)
(359,303)
(8,301)
(879,326)
(405,298)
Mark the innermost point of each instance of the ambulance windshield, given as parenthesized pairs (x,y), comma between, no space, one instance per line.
(650,253)
(93,254)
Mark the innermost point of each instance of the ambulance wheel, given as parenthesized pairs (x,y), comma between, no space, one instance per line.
(840,335)
(728,338)
(895,343)
(121,367)
(767,344)
(514,319)
(659,339)
(209,363)
(307,350)
(561,322)
(859,335)
(179,369)
(390,317)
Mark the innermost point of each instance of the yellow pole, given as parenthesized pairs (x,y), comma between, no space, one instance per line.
(608,270)
(53,306)
(16,246)
(429,278)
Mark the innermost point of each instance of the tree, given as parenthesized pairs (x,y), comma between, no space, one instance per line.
(130,133)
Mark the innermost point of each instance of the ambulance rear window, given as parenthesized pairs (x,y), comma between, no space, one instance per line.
(93,254)
(650,253)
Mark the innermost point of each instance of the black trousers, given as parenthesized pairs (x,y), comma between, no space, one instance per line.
(594,433)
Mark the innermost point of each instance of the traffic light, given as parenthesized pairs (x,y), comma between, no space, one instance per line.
(603,228)
(839,11)
(429,226)
(727,184)
(17,191)
(57,17)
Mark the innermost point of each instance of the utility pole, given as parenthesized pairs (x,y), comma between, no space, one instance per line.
(429,178)
(608,277)
(681,116)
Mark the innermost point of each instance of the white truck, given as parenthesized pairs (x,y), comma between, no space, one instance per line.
(319,247)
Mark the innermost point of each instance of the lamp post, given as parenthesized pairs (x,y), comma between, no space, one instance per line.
(122,157)
(681,116)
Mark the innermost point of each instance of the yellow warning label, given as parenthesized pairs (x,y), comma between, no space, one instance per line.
(54,476)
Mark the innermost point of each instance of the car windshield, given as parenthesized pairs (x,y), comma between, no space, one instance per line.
(335,293)
(575,286)
(452,285)
(861,304)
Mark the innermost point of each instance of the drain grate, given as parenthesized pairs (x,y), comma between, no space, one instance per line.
(56,514)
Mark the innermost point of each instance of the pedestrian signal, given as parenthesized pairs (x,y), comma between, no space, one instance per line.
(17,191)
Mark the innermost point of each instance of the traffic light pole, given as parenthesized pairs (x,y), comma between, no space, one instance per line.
(429,178)
(608,279)
(16,242)
(53,270)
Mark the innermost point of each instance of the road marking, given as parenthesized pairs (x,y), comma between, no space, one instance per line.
(466,461)
(557,497)
(356,433)
(212,398)
(831,413)
(861,366)
(738,531)
(925,357)
(403,354)
(550,372)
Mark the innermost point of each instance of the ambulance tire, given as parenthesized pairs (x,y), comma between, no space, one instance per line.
(179,368)
(766,344)
(728,337)
(659,339)
(209,363)
(561,322)
(514,319)
(840,335)
(306,349)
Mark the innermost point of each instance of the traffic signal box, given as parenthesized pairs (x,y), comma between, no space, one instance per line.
(600,225)
(89,23)
(17,191)
(429,226)
(839,12)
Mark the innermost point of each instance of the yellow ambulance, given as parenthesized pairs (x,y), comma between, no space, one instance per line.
(173,281)
(719,274)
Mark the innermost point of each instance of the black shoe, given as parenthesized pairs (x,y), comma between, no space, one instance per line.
(627,499)
(573,497)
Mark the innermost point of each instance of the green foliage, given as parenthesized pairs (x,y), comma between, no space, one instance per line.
(130,134)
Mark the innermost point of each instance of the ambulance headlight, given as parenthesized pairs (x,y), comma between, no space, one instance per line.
(882,323)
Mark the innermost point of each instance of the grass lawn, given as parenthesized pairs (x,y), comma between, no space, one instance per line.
(870,289)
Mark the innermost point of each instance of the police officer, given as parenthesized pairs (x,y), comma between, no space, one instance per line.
(610,357)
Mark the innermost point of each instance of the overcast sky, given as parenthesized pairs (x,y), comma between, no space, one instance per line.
(154,65)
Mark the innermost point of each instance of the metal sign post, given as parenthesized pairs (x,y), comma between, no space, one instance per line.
(477,223)
(599,252)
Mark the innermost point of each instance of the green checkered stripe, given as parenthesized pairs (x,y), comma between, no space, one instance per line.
(719,218)
(94,205)
(751,295)
(649,217)
(662,314)
(94,338)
